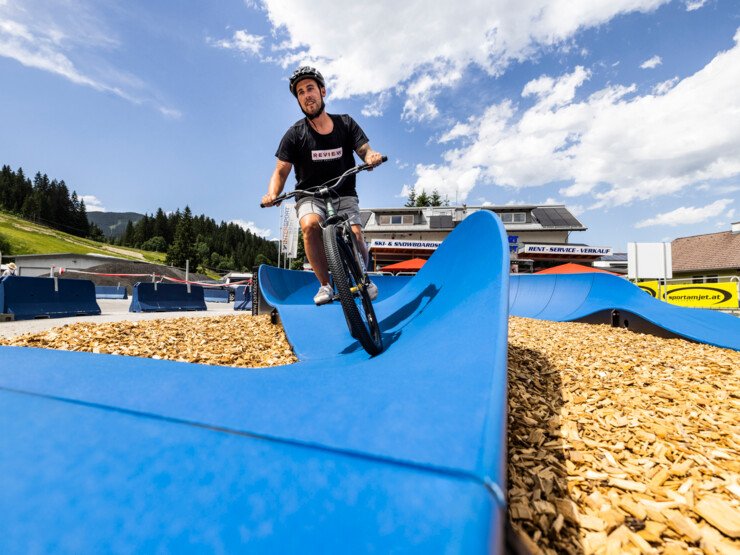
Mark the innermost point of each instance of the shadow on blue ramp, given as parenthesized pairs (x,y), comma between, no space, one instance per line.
(27,298)
(339,453)
(606,299)
(166,297)
(110,292)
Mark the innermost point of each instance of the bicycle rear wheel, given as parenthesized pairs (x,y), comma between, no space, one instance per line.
(349,281)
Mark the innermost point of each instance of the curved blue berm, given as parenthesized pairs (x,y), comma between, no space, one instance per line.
(110,292)
(166,297)
(339,453)
(27,298)
(607,299)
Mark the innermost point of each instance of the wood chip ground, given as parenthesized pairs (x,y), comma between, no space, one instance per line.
(618,442)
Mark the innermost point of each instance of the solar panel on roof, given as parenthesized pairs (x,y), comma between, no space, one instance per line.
(570,220)
(552,216)
(542,217)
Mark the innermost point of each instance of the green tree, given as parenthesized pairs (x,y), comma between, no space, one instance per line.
(262,259)
(183,247)
(128,235)
(300,256)
(5,246)
(96,234)
(411,201)
(156,244)
(435,199)
(422,199)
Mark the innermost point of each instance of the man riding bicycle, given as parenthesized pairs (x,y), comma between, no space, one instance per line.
(321,146)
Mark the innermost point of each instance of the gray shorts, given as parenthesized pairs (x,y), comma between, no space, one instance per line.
(348,206)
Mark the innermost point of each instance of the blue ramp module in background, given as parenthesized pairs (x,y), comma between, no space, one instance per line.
(339,453)
(607,299)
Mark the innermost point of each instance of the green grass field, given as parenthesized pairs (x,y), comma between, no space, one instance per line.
(29,238)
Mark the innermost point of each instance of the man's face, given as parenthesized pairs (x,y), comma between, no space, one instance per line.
(309,96)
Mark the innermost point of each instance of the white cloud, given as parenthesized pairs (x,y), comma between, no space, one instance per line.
(687,215)
(653,62)
(417,50)
(54,36)
(92,203)
(251,226)
(614,145)
(241,41)
(692,5)
(665,86)
(377,106)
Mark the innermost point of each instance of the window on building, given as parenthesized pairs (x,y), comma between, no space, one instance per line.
(514,217)
(705,279)
(399,219)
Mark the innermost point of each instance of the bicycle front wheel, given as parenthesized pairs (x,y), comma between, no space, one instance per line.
(349,279)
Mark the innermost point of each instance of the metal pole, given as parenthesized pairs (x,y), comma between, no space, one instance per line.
(187,274)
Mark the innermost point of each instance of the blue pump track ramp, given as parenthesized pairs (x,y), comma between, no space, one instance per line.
(339,453)
(594,298)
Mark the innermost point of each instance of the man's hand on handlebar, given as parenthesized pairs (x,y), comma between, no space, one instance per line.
(268,200)
(374,158)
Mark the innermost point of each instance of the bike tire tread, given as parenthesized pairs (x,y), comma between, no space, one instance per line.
(338,266)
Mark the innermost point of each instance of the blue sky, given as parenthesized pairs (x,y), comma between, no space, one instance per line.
(626,111)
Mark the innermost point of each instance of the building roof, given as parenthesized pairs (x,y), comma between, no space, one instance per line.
(540,217)
(615,257)
(713,251)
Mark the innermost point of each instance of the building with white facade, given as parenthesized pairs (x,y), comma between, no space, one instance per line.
(539,235)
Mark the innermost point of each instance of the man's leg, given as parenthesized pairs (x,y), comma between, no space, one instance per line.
(313,243)
(357,230)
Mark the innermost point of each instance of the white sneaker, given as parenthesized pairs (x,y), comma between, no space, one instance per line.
(372,290)
(325,295)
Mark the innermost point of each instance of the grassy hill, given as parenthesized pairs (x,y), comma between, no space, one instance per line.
(26,237)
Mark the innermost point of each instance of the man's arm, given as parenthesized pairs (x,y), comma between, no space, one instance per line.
(368,155)
(277,181)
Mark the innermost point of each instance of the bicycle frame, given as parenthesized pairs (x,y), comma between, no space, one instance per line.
(347,264)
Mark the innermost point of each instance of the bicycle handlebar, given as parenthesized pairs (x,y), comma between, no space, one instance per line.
(338,181)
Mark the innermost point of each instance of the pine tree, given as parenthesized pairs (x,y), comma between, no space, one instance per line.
(411,201)
(435,199)
(84,223)
(422,199)
(160,224)
(128,235)
(183,247)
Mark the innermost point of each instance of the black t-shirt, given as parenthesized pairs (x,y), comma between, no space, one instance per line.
(318,158)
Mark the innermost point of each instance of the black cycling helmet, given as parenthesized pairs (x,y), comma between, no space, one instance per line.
(305,72)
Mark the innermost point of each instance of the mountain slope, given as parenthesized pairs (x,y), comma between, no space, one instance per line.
(26,237)
(113,224)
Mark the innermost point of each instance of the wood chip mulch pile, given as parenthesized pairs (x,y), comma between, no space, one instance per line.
(240,340)
(621,442)
(618,442)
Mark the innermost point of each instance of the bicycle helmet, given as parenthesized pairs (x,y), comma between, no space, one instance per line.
(305,72)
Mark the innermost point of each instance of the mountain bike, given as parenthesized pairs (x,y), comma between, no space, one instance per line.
(346,262)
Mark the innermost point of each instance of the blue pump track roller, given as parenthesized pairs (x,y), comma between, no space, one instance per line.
(339,453)
(594,297)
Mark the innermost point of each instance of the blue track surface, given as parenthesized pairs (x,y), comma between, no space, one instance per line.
(593,297)
(338,453)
